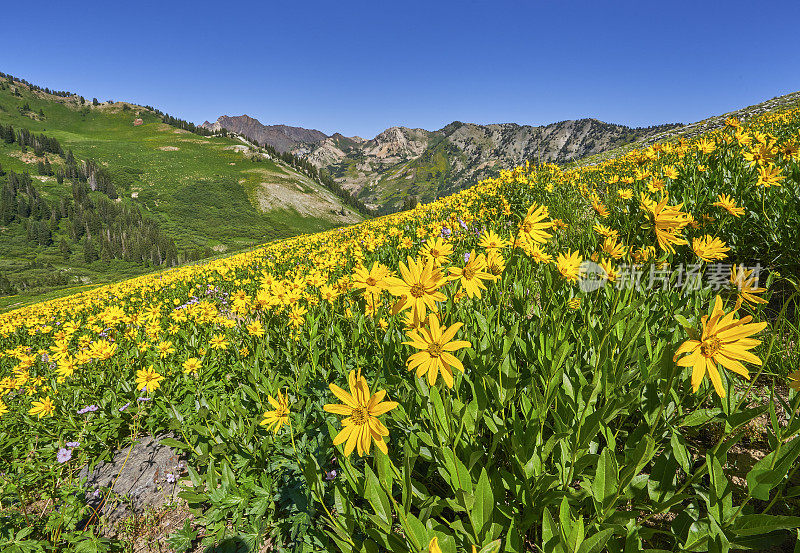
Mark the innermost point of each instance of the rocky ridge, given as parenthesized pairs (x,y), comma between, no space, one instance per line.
(401,161)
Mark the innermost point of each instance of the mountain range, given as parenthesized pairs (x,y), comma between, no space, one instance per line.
(402,162)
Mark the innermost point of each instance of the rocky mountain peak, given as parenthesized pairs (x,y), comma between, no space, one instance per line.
(281,137)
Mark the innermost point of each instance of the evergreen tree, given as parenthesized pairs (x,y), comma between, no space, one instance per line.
(44,237)
(6,288)
(89,251)
(64,248)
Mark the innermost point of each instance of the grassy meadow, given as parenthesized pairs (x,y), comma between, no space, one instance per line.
(202,191)
(448,378)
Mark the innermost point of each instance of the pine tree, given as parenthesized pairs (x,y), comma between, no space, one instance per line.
(6,288)
(89,251)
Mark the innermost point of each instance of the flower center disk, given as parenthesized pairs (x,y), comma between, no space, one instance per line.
(710,346)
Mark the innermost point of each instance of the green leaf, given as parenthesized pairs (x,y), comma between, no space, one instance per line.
(193,497)
(772,469)
(491,547)
(700,416)
(377,499)
(720,501)
(172,442)
(416,531)
(752,525)
(548,526)
(183,538)
(459,475)
(744,416)
(596,542)
(385,474)
(680,452)
(438,408)
(606,479)
(484,503)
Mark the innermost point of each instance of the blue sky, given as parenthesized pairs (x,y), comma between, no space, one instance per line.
(360,67)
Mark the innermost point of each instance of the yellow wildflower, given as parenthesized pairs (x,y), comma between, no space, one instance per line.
(362,409)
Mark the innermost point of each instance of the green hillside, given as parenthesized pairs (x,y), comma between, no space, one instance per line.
(203,194)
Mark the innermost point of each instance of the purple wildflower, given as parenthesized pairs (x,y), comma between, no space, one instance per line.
(330,475)
(462,223)
(121,409)
(143,399)
(87,409)
(73,444)
(170,478)
(64,455)
(446,232)
(466,257)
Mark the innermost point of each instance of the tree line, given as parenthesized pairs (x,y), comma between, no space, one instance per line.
(33,87)
(104,229)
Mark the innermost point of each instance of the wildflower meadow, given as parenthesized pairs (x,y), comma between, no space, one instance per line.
(444,379)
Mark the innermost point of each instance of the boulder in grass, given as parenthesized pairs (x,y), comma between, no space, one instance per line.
(145,476)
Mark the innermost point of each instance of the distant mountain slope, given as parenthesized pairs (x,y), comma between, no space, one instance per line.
(281,137)
(402,162)
(428,164)
(201,194)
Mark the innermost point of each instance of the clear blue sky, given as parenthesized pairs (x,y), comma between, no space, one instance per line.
(359,67)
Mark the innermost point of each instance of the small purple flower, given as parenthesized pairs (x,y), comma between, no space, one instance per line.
(330,475)
(462,223)
(466,257)
(64,455)
(87,409)
(121,409)
(73,444)
(96,493)
(446,232)
(170,478)
(143,398)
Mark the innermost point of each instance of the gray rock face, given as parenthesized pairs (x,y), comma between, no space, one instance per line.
(429,164)
(147,477)
(281,137)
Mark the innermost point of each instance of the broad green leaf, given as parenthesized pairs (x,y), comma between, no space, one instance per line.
(606,479)
(484,503)
(596,542)
(752,525)
(377,498)
(680,452)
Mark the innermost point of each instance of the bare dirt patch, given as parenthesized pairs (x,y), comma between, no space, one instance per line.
(180,131)
(27,157)
(236,148)
(169,148)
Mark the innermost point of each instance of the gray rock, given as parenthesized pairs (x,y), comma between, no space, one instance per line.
(147,477)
